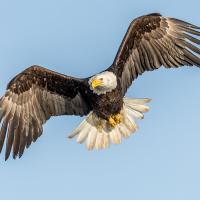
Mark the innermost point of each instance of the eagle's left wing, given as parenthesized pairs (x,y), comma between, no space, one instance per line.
(152,41)
(32,97)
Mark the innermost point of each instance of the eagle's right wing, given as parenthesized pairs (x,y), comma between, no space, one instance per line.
(32,97)
(153,41)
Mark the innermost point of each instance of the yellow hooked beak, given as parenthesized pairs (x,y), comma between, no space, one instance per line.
(97,83)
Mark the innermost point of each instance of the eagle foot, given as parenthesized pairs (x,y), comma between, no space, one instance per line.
(113,120)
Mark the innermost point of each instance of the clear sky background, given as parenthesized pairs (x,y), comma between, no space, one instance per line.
(80,38)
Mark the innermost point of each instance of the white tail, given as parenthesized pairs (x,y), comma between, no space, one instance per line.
(98,133)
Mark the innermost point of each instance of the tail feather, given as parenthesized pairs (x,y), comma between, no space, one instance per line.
(102,140)
(91,140)
(130,124)
(105,141)
(99,134)
(115,136)
(83,134)
(139,108)
(78,129)
(134,113)
(124,131)
(99,141)
(137,101)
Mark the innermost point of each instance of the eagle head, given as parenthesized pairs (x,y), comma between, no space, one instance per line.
(103,82)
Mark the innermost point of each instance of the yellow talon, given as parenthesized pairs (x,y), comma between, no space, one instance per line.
(115,119)
(118,118)
(112,121)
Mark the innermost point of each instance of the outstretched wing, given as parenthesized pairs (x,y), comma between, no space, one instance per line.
(152,41)
(32,97)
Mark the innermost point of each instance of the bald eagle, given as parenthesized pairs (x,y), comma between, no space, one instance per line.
(36,94)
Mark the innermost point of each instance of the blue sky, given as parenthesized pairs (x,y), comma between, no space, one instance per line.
(80,38)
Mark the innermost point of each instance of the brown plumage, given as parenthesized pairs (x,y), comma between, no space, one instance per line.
(153,41)
(37,93)
(32,97)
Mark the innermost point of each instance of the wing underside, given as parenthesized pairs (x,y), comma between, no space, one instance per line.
(153,41)
(32,97)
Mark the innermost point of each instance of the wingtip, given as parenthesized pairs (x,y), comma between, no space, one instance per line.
(20,155)
(6,158)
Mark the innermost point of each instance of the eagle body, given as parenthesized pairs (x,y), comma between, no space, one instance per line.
(36,94)
(104,105)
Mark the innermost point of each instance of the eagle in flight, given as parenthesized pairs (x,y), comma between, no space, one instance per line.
(36,94)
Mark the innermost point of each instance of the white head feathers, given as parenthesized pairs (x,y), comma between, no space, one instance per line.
(103,82)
